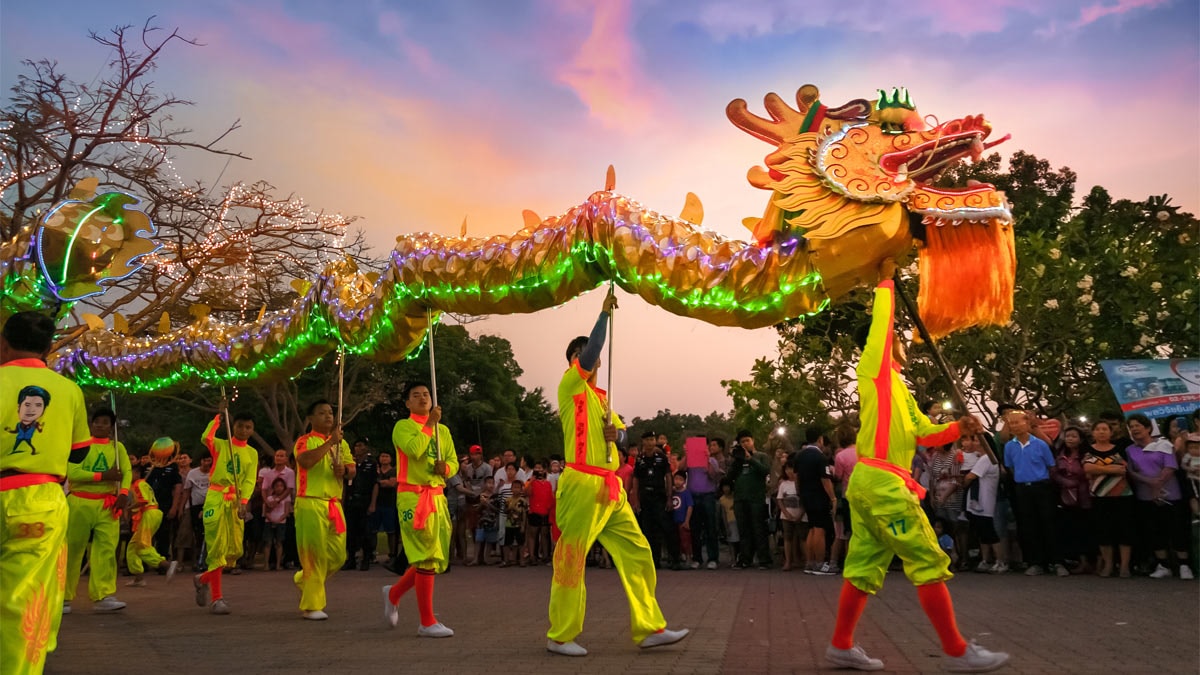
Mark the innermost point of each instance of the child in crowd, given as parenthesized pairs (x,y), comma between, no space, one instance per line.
(728,521)
(278,505)
(146,519)
(681,510)
(489,512)
(516,508)
(787,498)
(541,503)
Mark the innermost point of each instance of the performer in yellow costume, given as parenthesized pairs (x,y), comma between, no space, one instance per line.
(99,493)
(43,425)
(320,521)
(592,505)
(147,518)
(885,509)
(231,483)
(422,467)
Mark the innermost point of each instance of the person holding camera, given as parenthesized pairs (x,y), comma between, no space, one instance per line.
(748,471)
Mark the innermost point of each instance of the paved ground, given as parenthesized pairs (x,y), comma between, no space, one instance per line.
(742,622)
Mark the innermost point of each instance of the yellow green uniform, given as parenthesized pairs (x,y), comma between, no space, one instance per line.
(320,521)
(424,516)
(231,482)
(93,515)
(43,420)
(591,505)
(147,517)
(885,509)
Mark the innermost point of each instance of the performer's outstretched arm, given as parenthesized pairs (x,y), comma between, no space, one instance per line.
(591,351)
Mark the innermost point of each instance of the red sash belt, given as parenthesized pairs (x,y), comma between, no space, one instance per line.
(230,491)
(905,476)
(137,515)
(425,503)
(335,513)
(20,480)
(110,500)
(611,480)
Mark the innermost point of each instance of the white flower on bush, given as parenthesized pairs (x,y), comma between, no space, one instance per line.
(1085,298)
(1130,272)
(1141,318)
(1145,340)
(1055,254)
(989,357)
(1094,310)
(1162,316)
(1137,349)
(1085,283)
(1051,303)
(1088,340)
(1039,270)
(1156,286)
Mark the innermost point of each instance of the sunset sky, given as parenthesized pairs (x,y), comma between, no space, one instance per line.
(413,115)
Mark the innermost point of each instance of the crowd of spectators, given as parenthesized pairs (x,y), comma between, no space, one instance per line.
(1110,499)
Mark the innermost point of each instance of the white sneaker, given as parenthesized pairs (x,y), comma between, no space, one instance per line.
(565,648)
(1061,571)
(219,606)
(854,658)
(1034,571)
(136,583)
(108,604)
(202,591)
(975,660)
(1185,572)
(391,613)
(984,566)
(437,630)
(695,564)
(712,564)
(663,637)
(315,615)
(1160,572)
(1001,567)
(171,570)
(67,607)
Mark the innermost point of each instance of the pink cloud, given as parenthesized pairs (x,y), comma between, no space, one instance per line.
(605,73)
(1093,13)
(392,25)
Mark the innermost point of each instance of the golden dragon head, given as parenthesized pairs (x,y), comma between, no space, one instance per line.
(855,182)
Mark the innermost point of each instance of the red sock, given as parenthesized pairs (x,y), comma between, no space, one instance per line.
(851,604)
(425,597)
(214,582)
(935,600)
(402,585)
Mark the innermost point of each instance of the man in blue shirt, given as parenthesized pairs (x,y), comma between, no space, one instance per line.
(1029,459)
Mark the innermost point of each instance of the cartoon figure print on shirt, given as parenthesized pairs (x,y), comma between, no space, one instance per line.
(32,402)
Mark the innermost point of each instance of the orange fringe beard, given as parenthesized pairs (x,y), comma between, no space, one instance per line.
(968,273)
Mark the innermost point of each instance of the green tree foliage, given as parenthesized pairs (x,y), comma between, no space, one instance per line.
(679,427)
(1107,279)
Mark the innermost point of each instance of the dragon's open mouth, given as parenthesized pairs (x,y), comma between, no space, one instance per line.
(947,144)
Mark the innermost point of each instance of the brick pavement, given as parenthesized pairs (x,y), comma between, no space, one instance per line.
(742,621)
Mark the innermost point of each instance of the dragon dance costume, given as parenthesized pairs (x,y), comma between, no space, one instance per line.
(425,524)
(320,521)
(33,510)
(93,515)
(231,482)
(591,505)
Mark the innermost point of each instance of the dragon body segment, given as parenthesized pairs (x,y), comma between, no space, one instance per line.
(848,189)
